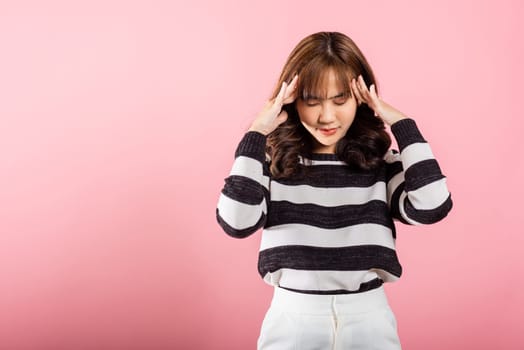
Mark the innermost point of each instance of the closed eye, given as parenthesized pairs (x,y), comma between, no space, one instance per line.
(311,102)
(340,100)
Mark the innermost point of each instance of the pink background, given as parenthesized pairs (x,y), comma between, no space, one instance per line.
(118,124)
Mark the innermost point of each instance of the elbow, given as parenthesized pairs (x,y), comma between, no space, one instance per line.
(235,232)
(428,216)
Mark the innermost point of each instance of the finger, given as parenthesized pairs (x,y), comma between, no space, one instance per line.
(363,89)
(373,92)
(362,83)
(293,83)
(280,97)
(362,86)
(374,98)
(290,94)
(356,91)
(291,90)
(290,98)
(278,101)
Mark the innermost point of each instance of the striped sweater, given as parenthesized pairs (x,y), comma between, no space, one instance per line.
(333,230)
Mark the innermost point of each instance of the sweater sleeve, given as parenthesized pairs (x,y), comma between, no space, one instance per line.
(416,188)
(242,205)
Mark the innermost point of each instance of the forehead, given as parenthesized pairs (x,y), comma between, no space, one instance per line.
(327,82)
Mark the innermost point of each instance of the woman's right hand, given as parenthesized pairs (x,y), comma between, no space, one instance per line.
(272,114)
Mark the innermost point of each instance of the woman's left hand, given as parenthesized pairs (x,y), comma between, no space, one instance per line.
(386,112)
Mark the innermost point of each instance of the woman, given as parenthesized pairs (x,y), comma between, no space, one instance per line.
(315,172)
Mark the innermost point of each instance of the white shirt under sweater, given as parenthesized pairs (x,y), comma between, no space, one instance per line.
(333,230)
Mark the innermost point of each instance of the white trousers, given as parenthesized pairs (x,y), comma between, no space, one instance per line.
(344,321)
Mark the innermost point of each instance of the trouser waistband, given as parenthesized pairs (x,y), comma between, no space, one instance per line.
(318,304)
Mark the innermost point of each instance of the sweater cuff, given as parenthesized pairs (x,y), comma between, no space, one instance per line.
(406,132)
(252,145)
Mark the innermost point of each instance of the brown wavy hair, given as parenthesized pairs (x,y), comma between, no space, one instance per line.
(365,143)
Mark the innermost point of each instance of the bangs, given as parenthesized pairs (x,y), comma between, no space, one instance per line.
(313,79)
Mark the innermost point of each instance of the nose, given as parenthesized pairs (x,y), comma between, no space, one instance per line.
(327,114)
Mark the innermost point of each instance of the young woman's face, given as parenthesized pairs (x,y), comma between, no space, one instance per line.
(327,118)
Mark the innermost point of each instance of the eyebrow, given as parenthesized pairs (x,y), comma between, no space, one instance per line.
(341,94)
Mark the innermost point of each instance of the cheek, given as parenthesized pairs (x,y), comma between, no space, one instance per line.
(349,111)
(306,115)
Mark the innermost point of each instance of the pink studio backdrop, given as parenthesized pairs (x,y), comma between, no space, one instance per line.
(118,124)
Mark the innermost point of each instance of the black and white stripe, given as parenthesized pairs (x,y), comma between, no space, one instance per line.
(417,190)
(332,231)
(303,234)
(284,212)
(242,205)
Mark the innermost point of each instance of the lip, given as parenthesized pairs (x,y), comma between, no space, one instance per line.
(328,132)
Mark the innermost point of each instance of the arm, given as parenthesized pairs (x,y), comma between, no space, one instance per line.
(242,206)
(417,191)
